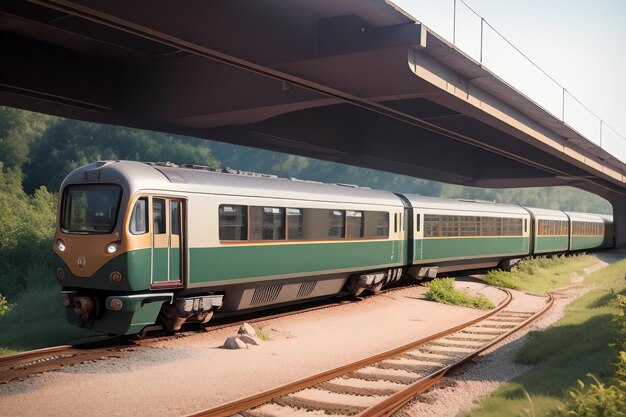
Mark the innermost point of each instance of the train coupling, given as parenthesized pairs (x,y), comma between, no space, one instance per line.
(84,307)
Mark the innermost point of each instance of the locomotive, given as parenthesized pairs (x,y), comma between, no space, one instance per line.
(143,243)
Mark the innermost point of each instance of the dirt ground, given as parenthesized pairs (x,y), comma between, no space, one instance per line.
(188,374)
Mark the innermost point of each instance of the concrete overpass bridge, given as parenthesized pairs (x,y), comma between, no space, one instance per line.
(354,81)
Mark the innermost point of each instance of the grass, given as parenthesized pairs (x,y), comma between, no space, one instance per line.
(37,320)
(576,345)
(540,275)
(263,333)
(442,290)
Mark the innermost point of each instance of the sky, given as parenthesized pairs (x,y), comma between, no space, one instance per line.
(581,44)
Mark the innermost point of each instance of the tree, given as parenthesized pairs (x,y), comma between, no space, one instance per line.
(70,144)
(26,231)
(18,130)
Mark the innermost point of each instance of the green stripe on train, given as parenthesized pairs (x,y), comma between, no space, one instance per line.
(444,248)
(586,242)
(546,244)
(240,262)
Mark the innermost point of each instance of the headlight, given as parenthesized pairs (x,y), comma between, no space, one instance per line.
(111,248)
(60,245)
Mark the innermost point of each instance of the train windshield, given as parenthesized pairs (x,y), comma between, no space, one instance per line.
(90,208)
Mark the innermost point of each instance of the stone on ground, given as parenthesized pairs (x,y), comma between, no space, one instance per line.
(234,343)
(247,329)
(250,340)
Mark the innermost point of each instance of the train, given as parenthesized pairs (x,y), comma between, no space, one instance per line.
(139,244)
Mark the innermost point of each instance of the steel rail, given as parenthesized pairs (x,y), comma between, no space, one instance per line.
(236,406)
(22,364)
(395,401)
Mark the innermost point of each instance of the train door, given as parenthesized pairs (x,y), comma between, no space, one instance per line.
(167,241)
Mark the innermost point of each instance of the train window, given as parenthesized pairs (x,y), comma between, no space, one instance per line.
(354,224)
(470,226)
(587,228)
(267,223)
(158,216)
(295,223)
(431,225)
(449,226)
(511,227)
(336,228)
(139,217)
(551,227)
(90,208)
(233,222)
(175,217)
(491,226)
(417,223)
(376,224)
(395,222)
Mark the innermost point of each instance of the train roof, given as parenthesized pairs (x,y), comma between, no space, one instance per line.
(590,217)
(463,205)
(165,176)
(541,213)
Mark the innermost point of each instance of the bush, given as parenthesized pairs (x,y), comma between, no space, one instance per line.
(5,306)
(26,234)
(501,278)
(540,274)
(442,290)
(603,399)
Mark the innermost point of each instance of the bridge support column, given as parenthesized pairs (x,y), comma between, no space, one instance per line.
(619,218)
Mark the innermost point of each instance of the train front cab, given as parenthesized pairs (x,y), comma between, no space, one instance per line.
(121,268)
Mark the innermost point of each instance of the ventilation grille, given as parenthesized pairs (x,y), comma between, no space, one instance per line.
(267,294)
(306,289)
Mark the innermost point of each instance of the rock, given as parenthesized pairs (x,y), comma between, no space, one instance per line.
(247,329)
(250,340)
(234,343)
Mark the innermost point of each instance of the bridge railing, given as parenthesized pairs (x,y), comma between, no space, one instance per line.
(478,39)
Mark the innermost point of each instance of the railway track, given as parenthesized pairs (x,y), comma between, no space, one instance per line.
(381,384)
(23,364)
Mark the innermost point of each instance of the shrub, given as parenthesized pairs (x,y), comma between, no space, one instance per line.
(26,234)
(599,399)
(5,306)
(442,290)
(501,278)
(603,399)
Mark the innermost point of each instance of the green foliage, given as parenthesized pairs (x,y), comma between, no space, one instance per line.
(598,400)
(26,234)
(18,130)
(540,274)
(264,333)
(37,320)
(442,290)
(5,306)
(577,345)
(70,144)
(500,278)
(603,399)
